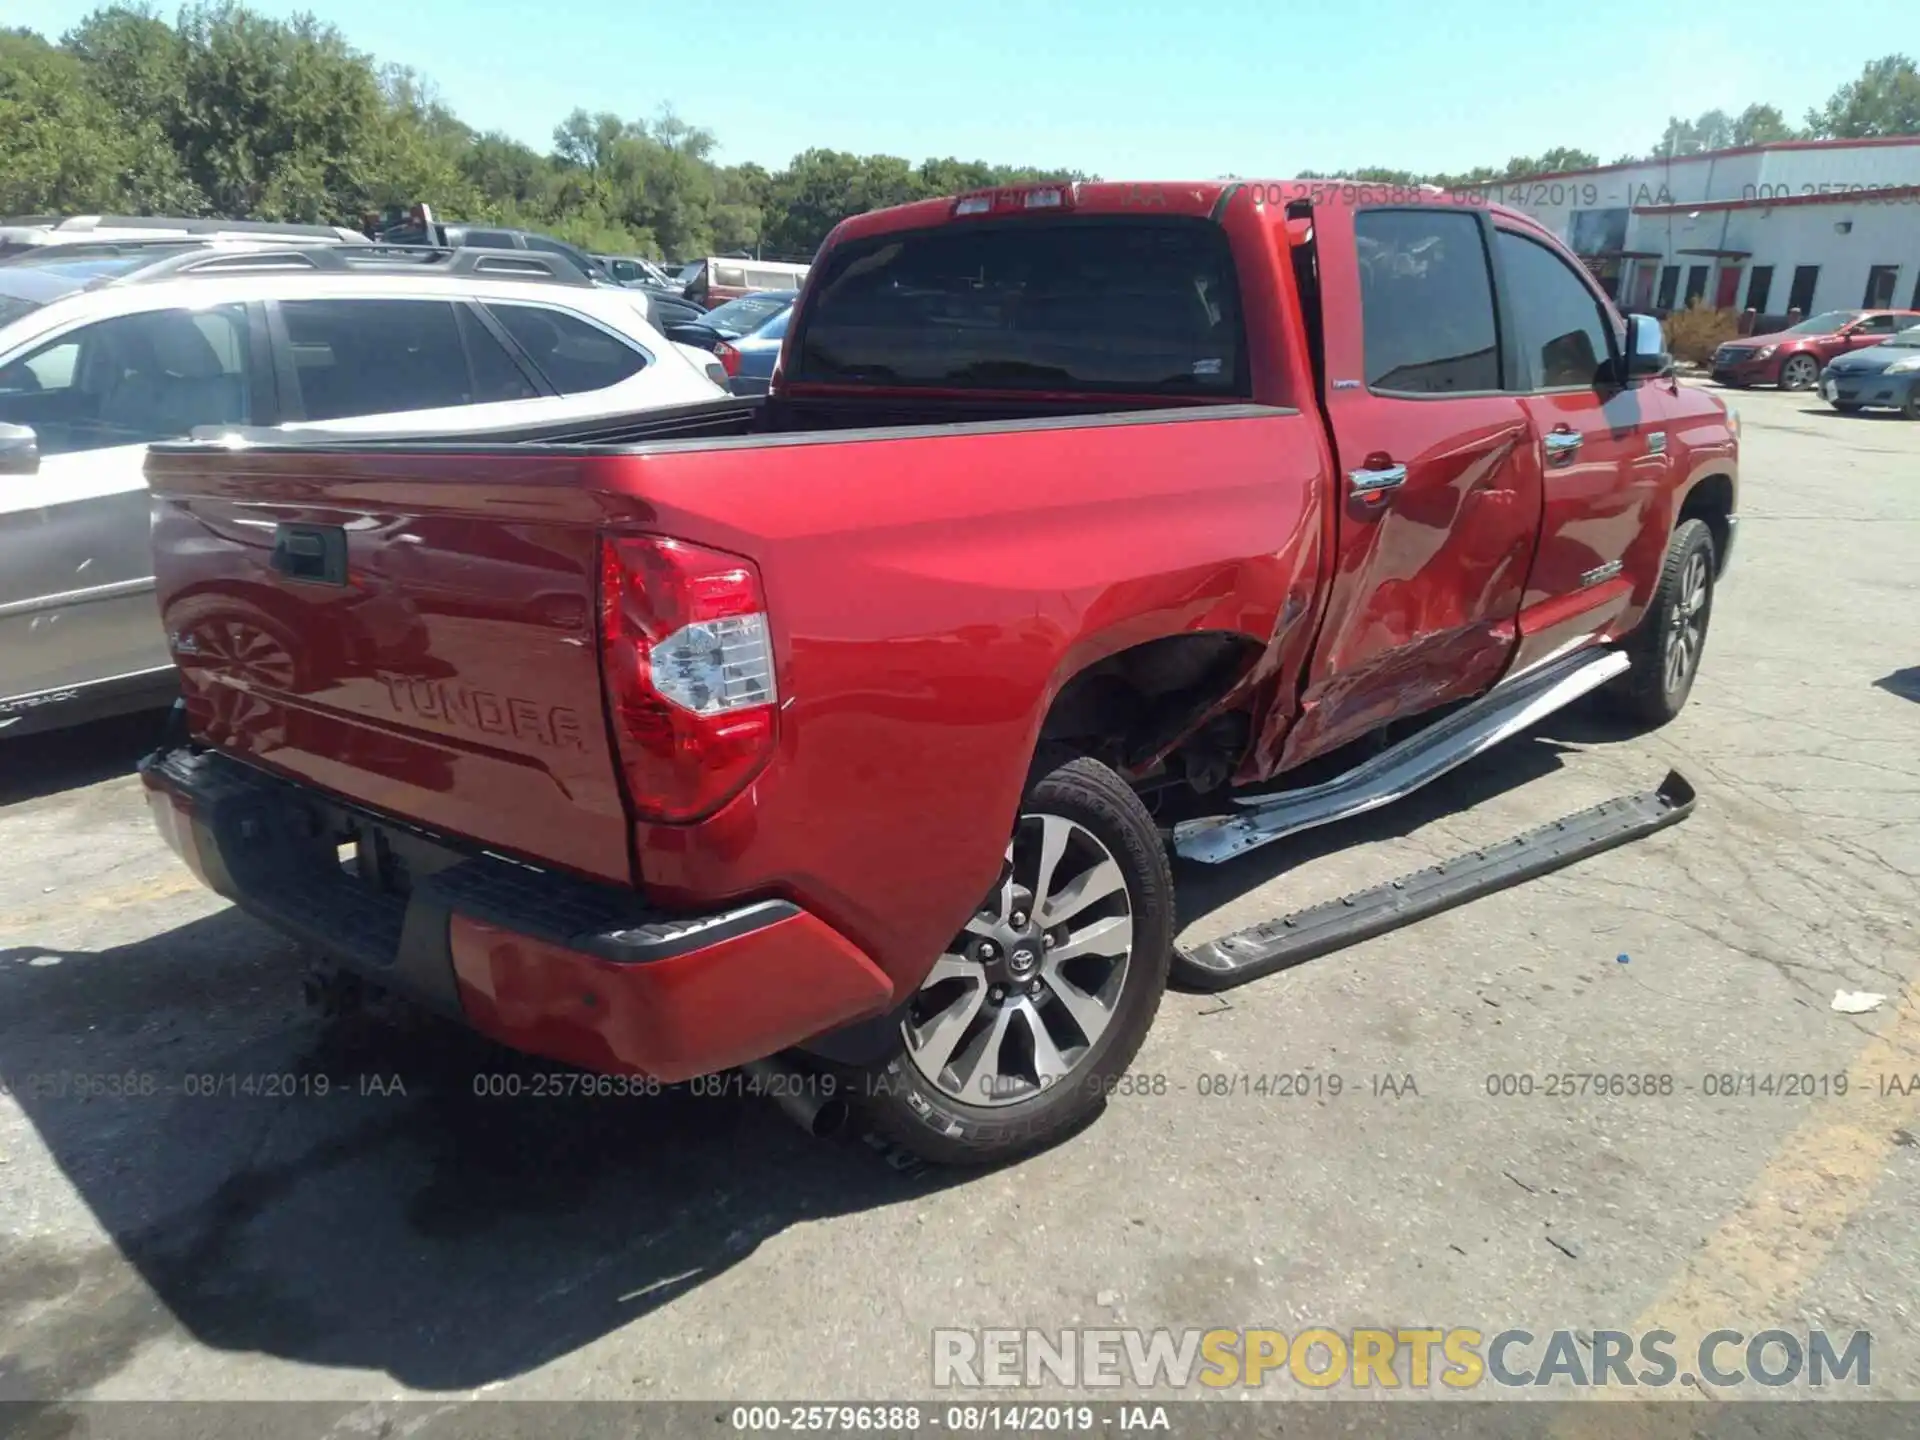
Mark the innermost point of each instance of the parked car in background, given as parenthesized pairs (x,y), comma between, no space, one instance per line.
(632,270)
(840,724)
(733,319)
(667,311)
(1793,358)
(715,281)
(99,357)
(33,232)
(1878,377)
(456,235)
(749,360)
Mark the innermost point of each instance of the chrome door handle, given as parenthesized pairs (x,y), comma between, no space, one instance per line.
(1372,482)
(1563,442)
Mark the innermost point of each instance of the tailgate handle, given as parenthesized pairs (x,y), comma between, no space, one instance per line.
(314,553)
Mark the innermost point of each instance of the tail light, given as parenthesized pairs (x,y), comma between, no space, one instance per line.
(729,358)
(687,661)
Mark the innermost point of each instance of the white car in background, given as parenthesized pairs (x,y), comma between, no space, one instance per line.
(103,353)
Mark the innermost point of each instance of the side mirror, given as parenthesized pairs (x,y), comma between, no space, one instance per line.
(1647,356)
(19,450)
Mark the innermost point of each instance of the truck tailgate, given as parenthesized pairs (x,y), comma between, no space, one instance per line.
(416,634)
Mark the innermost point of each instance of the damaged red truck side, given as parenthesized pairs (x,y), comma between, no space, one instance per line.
(843,726)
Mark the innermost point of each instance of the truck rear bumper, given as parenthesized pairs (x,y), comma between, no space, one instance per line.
(578,972)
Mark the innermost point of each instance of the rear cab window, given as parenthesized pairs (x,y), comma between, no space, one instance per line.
(1094,304)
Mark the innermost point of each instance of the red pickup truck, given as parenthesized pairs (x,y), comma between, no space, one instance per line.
(841,726)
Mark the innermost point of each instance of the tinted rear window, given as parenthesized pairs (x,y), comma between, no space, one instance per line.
(1093,304)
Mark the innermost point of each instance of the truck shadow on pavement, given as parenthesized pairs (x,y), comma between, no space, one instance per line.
(399,1222)
(342,1195)
(41,765)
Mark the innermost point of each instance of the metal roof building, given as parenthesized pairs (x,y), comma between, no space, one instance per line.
(1805,225)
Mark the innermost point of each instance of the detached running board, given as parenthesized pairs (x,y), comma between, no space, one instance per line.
(1505,711)
(1248,954)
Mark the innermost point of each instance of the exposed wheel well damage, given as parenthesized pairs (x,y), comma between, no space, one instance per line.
(1140,709)
(1711,501)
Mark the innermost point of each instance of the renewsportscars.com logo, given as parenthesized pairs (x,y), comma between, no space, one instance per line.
(1414,1357)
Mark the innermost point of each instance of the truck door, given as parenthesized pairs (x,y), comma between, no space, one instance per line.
(1439,501)
(1598,445)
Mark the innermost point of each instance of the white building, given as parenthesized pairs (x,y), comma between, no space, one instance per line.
(1805,225)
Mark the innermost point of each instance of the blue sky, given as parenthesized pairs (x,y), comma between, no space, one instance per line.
(1121,90)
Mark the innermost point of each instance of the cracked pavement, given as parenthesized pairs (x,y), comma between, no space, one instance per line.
(370,1245)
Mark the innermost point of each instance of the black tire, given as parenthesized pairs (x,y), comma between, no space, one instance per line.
(902,1103)
(1912,408)
(1647,694)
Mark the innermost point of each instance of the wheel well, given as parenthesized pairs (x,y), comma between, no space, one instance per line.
(1129,707)
(1711,501)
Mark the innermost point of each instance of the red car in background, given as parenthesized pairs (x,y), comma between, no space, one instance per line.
(1793,358)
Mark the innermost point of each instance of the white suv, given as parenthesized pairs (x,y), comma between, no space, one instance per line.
(102,353)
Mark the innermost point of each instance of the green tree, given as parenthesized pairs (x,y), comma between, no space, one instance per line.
(65,148)
(277,118)
(1761,125)
(1885,100)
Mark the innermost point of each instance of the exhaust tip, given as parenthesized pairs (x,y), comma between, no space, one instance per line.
(829,1118)
(797,1094)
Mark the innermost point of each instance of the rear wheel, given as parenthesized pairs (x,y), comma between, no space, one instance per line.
(1666,649)
(1798,372)
(1026,1023)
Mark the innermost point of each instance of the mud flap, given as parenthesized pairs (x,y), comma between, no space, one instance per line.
(1262,949)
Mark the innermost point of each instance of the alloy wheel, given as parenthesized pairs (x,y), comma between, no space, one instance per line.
(1800,373)
(1027,989)
(1687,625)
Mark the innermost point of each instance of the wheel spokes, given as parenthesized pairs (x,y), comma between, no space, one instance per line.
(1049,1064)
(1054,834)
(983,1061)
(1111,936)
(1087,1010)
(987,919)
(1097,883)
(1031,983)
(934,1043)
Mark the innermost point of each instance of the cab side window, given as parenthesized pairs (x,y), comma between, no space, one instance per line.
(132,380)
(1566,337)
(1426,303)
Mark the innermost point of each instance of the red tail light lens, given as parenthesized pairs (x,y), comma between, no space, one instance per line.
(729,358)
(687,660)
